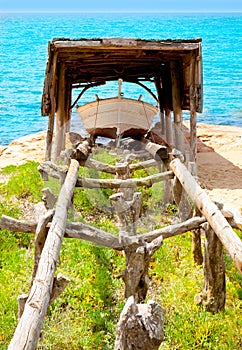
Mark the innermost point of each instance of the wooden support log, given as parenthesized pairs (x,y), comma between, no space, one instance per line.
(140,326)
(49,168)
(118,183)
(197,246)
(173,230)
(48,198)
(40,238)
(29,327)
(83,150)
(92,234)
(157,151)
(213,215)
(99,237)
(135,275)
(213,295)
(59,284)
(128,211)
(181,200)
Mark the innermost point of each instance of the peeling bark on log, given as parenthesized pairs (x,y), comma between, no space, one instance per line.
(29,327)
(213,215)
(140,326)
(213,295)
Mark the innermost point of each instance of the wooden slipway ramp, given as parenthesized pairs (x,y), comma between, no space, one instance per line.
(52,227)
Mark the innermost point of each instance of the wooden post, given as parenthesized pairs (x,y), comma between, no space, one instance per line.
(213,295)
(128,211)
(213,215)
(176,103)
(140,326)
(193,114)
(60,114)
(158,84)
(29,327)
(169,130)
(52,86)
(135,275)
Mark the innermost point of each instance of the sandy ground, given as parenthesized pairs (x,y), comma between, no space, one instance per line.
(219,159)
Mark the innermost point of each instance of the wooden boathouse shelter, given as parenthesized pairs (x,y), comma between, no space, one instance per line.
(174,66)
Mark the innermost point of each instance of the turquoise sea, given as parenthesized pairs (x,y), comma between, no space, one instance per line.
(23,53)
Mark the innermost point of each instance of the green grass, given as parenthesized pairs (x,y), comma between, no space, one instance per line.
(85,315)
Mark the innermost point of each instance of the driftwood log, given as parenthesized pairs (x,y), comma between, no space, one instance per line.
(140,326)
(213,215)
(29,327)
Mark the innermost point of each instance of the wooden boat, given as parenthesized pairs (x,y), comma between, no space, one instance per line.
(117,117)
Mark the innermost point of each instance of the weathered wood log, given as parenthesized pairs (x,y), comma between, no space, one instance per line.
(40,238)
(29,327)
(232,214)
(197,246)
(48,198)
(147,181)
(157,151)
(92,234)
(59,284)
(213,215)
(213,295)
(173,230)
(135,275)
(15,225)
(83,150)
(99,237)
(181,200)
(140,326)
(21,304)
(197,243)
(128,211)
(49,168)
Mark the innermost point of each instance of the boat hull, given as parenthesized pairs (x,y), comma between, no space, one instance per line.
(114,117)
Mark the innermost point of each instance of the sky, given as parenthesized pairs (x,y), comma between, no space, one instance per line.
(121,5)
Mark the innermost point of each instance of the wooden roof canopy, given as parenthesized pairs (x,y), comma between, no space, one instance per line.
(175,67)
(94,61)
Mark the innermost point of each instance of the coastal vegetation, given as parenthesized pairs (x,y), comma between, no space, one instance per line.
(86,314)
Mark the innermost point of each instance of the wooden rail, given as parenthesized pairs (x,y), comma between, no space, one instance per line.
(215,218)
(29,327)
